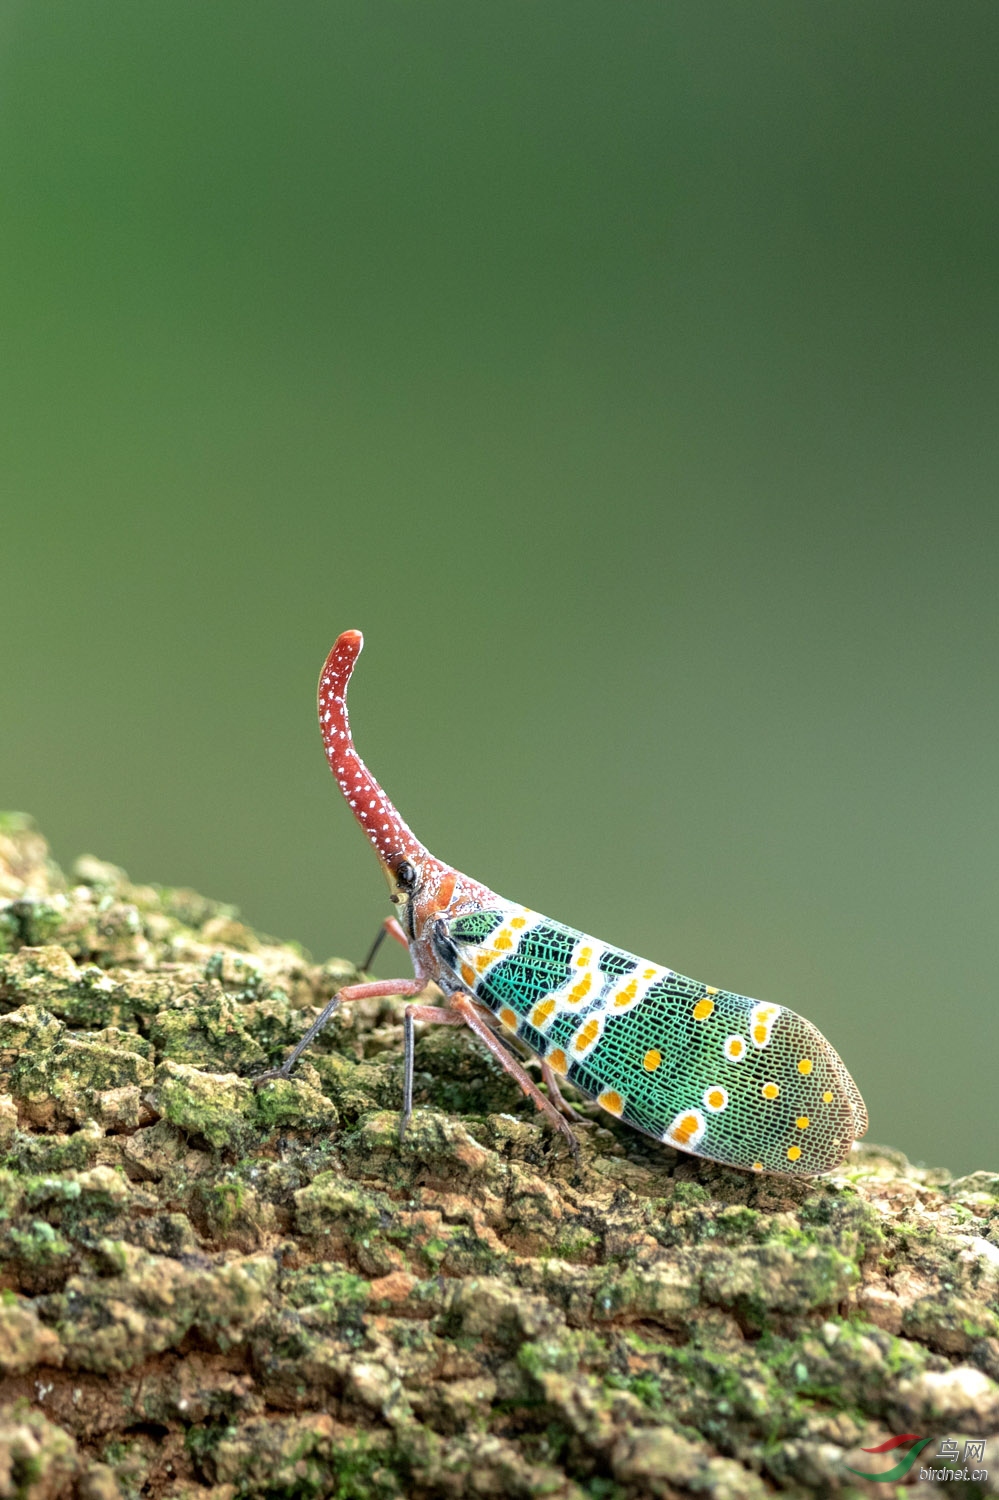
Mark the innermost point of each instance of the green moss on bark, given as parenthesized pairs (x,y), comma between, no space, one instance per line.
(210,1292)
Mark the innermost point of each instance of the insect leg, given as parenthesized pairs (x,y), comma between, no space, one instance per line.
(372,991)
(411,1014)
(555,1094)
(465,1008)
(390,928)
(523,1053)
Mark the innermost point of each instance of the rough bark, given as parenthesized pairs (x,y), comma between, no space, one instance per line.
(215,1292)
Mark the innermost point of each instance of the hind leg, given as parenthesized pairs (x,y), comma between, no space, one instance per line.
(470,1015)
(558,1099)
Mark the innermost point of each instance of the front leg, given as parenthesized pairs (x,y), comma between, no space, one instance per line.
(375,990)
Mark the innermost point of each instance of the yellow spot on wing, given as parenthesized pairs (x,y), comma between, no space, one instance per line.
(611,1101)
(585,954)
(542,1011)
(509,1018)
(518,921)
(793,1152)
(625,996)
(802,1122)
(503,940)
(805,1066)
(483,960)
(770,1091)
(468,974)
(579,991)
(827,1097)
(586,1034)
(684,1129)
(651,1060)
(703,1009)
(762,1018)
(556,1059)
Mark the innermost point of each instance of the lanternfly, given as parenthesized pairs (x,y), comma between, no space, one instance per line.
(736,1080)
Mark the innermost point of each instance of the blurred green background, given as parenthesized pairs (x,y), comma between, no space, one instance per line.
(628,375)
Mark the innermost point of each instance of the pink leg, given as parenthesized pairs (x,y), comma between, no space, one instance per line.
(466,1009)
(555,1094)
(394,930)
(436,1013)
(391,927)
(411,1014)
(372,991)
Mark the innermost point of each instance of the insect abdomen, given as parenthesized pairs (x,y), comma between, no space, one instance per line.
(706,1070)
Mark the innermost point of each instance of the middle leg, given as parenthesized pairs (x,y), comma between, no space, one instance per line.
(412,1014)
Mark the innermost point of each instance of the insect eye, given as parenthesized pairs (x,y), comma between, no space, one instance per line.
(405,876)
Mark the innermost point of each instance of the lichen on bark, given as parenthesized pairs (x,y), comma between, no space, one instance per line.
(210,1291)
